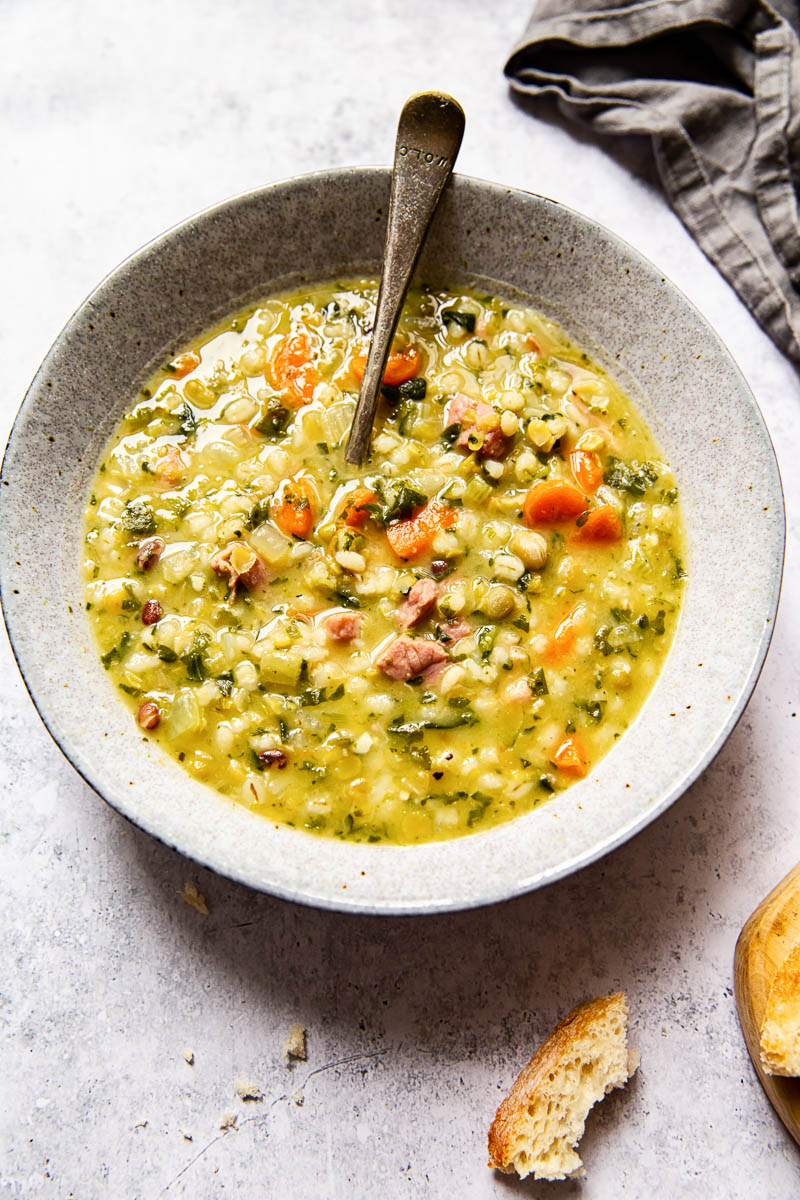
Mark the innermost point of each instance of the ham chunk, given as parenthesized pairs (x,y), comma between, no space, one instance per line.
(454,631)
(241,564)
(170,469)
(408,658)
(418,603)
(343,627)
(480,419)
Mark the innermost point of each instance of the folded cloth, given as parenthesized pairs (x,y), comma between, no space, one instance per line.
(716,86)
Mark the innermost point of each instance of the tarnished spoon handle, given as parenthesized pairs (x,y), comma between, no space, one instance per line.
(429,135)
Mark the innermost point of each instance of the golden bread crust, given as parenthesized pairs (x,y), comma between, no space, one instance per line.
(780,1028)
(578,1027)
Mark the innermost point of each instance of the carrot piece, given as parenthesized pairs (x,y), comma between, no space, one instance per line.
(402,365)
(293,370)
(552,502)
(563,638)
(293,510)
(414,536)
(586,468)
(355,512)
(570,757)
(601,525)
(183,364)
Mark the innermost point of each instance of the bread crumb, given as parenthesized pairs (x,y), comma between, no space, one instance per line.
(248,1091)
(188,1057)
(295,1048)
(228,1120)
(193,897)
(298,1098)
(538,1126)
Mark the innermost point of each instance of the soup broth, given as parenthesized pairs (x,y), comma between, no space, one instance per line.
(413,650)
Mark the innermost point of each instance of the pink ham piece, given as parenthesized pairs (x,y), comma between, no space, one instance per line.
(454,631)
(475,417)
(241,564)
(418,603)
(343,627)
(408,658)
(171,467)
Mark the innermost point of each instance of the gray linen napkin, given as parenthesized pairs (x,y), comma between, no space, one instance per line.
(716,86)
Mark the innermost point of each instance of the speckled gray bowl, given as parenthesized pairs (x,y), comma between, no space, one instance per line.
(332,224)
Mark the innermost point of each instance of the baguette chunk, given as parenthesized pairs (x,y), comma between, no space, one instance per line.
(780,1029)
(538,1126)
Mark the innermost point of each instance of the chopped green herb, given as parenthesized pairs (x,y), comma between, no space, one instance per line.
(487,636)
(313,696)
(187,420)
(414,730)
(274,419)
(225,682)
(258,514)
(398,501)
(194,658)
(138,517)
(679,572)
(633,477)
(117,653)
(594,709)
(454,316)
(537,682)
(347,599)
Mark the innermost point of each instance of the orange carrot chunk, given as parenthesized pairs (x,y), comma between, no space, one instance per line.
(183,364)
(563,639)
(587,470)
(355,511)
(552,503)
(402,365)
(601,526)
(570,757)
(414,536)
(293,510)
(293,369)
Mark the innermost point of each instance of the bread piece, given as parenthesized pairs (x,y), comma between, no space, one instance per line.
(295,1048)
(780,1029)
(541,1121)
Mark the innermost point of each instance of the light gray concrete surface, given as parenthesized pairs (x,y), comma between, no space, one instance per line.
(115,122)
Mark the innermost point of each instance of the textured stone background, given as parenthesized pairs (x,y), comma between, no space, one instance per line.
(117,121)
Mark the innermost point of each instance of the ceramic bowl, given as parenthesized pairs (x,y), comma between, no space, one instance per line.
(331,225)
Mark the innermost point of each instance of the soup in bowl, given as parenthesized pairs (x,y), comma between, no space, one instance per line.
(493,653)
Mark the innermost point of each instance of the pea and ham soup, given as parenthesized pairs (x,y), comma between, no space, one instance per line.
(412,650)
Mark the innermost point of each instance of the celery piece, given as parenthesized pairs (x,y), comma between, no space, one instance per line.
(281,670)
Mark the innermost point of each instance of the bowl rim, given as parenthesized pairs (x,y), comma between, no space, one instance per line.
(489,895)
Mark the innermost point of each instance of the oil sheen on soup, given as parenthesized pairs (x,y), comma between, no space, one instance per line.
(413,650)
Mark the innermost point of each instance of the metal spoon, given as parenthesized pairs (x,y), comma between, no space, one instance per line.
(429,135)
(766,939)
